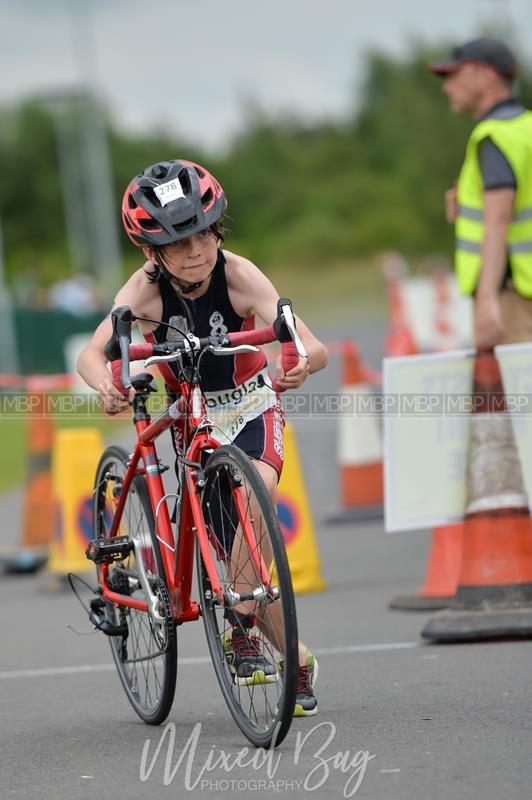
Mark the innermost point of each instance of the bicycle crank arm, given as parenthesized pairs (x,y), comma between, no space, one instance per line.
(261,595)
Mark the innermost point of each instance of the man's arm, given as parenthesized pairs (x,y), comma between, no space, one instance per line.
(498,210)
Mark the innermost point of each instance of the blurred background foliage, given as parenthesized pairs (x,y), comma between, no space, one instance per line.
(304,195)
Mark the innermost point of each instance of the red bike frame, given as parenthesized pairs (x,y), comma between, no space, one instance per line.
(178,566)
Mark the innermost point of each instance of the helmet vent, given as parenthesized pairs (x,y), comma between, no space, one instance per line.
(188,223)
(149,224)
(184,180)
(207,197)
(150,195)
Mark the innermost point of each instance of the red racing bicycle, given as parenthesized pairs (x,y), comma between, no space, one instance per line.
(224,517)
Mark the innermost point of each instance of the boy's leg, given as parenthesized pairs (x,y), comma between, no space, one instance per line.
(271,625)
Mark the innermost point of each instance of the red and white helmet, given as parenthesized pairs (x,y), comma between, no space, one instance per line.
(169,201)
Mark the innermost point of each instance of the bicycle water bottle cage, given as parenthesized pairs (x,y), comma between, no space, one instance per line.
(107,550)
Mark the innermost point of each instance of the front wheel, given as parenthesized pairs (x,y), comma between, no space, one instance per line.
(146,654)
(253,643)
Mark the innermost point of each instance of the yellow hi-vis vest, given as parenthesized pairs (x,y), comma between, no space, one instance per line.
(514,138)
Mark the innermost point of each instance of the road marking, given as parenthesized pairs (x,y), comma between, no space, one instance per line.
(363,648)
(83,668)
(195,660)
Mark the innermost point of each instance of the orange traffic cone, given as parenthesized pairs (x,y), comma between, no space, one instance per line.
(38,510)
(441,580)
(359,443)
(494,595)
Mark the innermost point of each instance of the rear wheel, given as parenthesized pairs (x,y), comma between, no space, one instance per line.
(253,644)
(146,655)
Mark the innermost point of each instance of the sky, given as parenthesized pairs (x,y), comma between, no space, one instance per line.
(197,67)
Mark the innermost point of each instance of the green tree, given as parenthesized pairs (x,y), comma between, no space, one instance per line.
(300,194)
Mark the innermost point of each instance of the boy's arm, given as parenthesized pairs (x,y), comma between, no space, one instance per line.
(92,361)
(255,293)
(92,366)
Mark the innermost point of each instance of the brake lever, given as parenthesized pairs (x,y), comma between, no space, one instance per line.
(164,359)
(122,319)
(239,348)
(288,317)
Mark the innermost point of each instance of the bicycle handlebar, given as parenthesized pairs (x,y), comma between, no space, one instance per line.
(120,351)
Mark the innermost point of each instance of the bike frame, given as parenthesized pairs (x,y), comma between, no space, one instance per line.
(178,560)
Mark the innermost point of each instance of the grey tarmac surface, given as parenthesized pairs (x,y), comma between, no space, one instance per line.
(398,719)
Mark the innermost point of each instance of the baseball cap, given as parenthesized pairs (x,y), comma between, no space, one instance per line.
(488,51)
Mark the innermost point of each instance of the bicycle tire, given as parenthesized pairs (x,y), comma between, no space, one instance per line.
(263,710)
(145,658)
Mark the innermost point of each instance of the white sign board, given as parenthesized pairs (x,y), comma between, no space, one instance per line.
(426,405)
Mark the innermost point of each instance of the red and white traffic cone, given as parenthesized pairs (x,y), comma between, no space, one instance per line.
(359,442)
(494,595)
(400,339)
(446,337)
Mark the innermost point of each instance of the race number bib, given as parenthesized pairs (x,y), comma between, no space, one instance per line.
(231,409)
(166,192)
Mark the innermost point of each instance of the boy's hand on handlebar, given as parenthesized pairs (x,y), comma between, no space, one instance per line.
(112,400)
(296,376)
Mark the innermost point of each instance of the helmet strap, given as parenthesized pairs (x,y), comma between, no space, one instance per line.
(188,288)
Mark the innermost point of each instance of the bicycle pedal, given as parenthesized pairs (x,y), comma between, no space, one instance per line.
(109,549)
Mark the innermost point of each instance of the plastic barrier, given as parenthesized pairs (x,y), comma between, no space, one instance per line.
(295,519)
(75,458)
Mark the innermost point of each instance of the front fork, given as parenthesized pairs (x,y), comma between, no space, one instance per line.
(264,593)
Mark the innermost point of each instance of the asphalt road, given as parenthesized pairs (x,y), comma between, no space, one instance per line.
(399,720)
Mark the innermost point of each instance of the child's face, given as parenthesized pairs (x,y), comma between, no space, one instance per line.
(192,259)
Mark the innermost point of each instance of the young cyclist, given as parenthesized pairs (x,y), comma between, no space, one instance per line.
(173,211)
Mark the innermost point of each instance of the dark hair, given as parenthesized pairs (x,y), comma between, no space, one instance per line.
(158,272)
